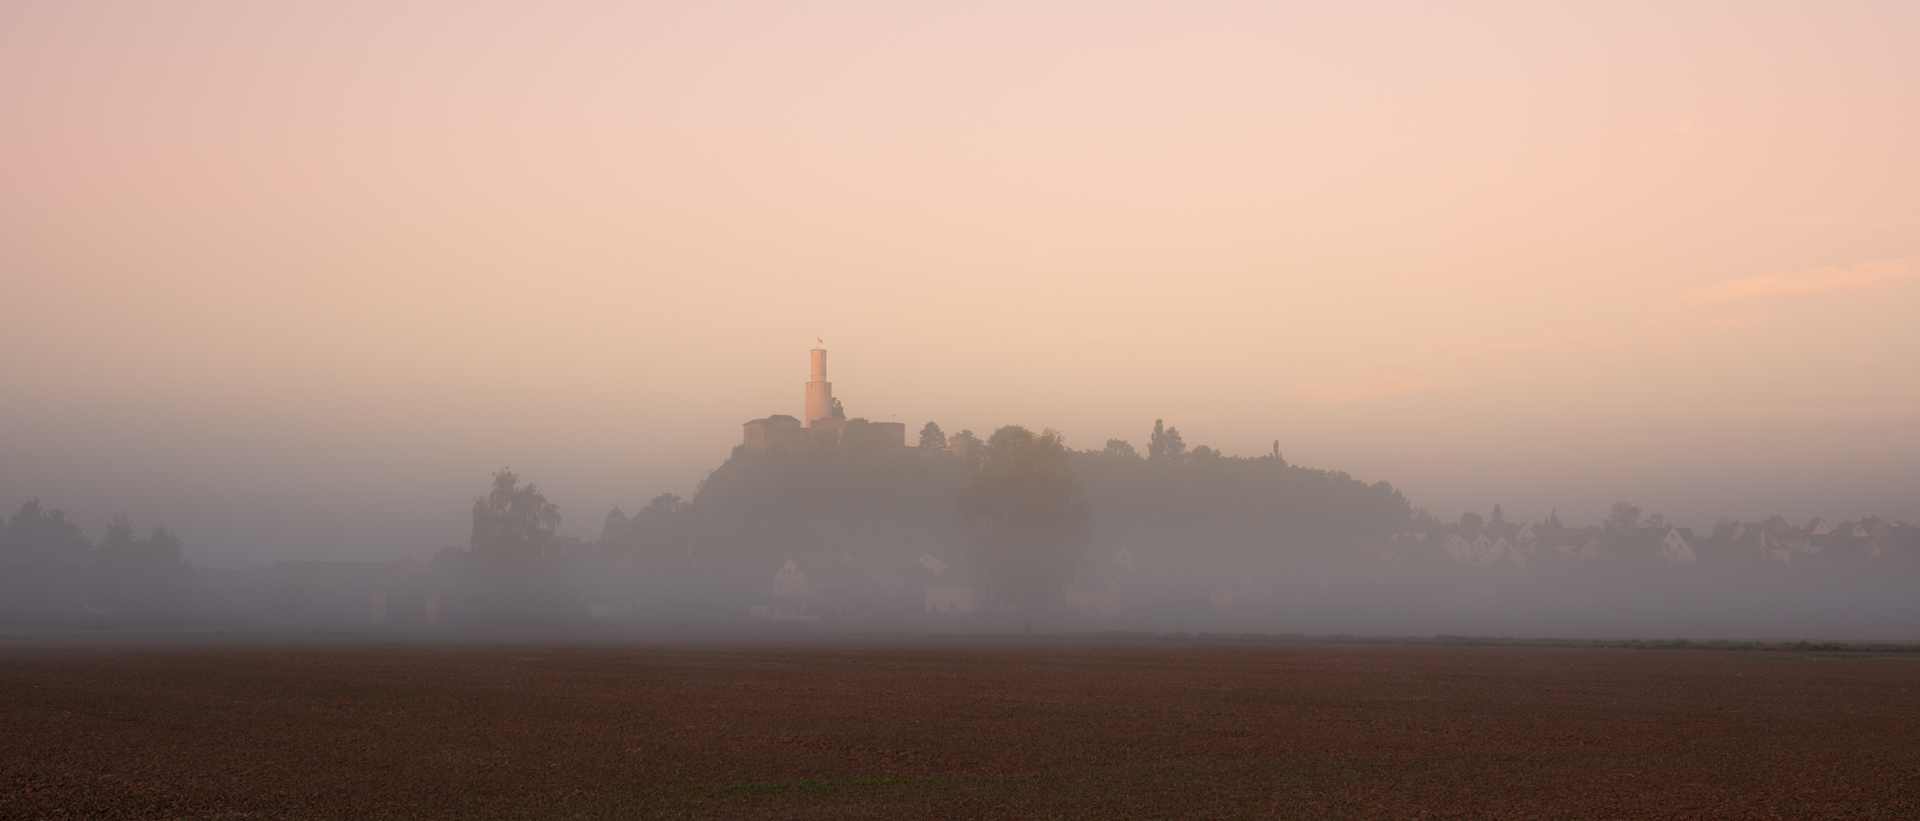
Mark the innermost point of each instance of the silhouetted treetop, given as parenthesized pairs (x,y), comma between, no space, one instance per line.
(1208,495)
(144,576)
(1623,517)
(1165,445)
(512,575)
(512,519)
(969,447)
(43,557)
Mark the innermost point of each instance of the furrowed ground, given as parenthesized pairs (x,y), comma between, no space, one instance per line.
(954,730)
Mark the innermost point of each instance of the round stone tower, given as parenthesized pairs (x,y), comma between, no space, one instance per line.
(819,391)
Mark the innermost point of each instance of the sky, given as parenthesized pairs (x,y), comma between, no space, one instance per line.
(293,278)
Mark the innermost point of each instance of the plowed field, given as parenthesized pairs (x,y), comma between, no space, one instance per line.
(954,730)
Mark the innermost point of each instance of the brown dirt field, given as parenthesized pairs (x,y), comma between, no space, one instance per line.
(954,730)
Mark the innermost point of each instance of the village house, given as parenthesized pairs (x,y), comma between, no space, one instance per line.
(1757,541)
(1491,551)
(1485,549)
(1524,538)
(1772,549)
(1675,549)
(789,582)
(1582,543)
(792,594)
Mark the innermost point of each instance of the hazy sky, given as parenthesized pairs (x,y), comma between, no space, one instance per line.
(293,278)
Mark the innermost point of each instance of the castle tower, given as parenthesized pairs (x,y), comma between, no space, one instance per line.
(819,391)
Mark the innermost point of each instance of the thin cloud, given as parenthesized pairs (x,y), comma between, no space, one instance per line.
(1363,388)
(1813,281)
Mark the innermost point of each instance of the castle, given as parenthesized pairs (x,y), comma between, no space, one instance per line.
(827,424)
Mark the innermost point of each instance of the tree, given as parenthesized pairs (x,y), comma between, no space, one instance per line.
(513,523)
(139,578)
(1425,522)
(1625,517)
(1165,446)
(817,504)
(1024,518)
(655,531)
(1471,521)
(1552,520)
(662,506)
(1120,449)
(970,447)
(1499,516)
(43,559)
(931,437)
(839,411)
(510,574)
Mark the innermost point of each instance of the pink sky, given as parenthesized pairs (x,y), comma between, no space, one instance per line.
(269,268)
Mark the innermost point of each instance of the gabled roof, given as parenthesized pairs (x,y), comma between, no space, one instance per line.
(1674,548)
(1497,551)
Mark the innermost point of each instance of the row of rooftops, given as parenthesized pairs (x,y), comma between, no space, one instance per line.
(1872,536)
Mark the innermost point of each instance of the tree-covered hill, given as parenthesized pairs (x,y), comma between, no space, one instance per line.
(825,503)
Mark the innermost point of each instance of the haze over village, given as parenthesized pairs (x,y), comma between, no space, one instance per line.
(840,522)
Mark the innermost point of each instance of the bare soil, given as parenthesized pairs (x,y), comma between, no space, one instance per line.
(955,730)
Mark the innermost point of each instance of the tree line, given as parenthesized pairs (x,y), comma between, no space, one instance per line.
(50,570)
(1020,509)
